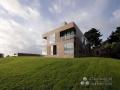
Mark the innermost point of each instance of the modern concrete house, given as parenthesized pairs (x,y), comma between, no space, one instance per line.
(66,41)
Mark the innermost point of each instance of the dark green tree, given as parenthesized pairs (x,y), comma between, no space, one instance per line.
(93,36)
(115,36)
(111,46)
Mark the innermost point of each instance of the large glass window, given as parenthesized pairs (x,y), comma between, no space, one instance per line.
(69,48)
(52,38)
(68,33)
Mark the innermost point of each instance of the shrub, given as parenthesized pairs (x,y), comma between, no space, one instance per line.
(115,50)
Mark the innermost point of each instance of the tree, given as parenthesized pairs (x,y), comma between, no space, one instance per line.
(93,36)
(115,50)
(111,47)
(115,36)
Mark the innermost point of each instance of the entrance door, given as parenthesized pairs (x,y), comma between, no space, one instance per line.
(54,49)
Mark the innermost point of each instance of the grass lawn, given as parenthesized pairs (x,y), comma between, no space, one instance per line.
(40,73)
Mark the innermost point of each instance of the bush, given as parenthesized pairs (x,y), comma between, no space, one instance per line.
(110,50)
(115,50)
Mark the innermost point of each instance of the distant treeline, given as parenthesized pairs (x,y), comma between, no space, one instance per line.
(108,48)
(1,55)
(28,54)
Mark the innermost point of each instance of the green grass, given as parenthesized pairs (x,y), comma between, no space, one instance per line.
(39,73)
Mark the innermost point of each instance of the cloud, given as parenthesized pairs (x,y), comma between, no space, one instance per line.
(55,9)
(19,38)
(58,6)
(22,22)
(14,7)
(16,36)
(92,14)
(116,16)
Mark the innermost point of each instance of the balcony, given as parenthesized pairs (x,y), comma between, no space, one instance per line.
(68,34)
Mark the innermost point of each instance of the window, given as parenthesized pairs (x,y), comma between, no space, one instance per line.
(52,38)
(69,48)
(68,33)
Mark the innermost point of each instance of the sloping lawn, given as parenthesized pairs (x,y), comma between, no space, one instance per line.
(40,73)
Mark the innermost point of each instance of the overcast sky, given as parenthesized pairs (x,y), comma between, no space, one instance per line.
(22,22)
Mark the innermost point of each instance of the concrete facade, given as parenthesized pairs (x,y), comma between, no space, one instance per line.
(66,41)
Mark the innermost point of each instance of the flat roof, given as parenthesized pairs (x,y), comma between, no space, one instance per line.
(62,28)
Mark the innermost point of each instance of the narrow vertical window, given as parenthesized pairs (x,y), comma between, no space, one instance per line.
(52,38)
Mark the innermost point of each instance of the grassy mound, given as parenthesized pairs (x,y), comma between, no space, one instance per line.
(39,73)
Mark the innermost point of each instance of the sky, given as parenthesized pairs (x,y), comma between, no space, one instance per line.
(22,22)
